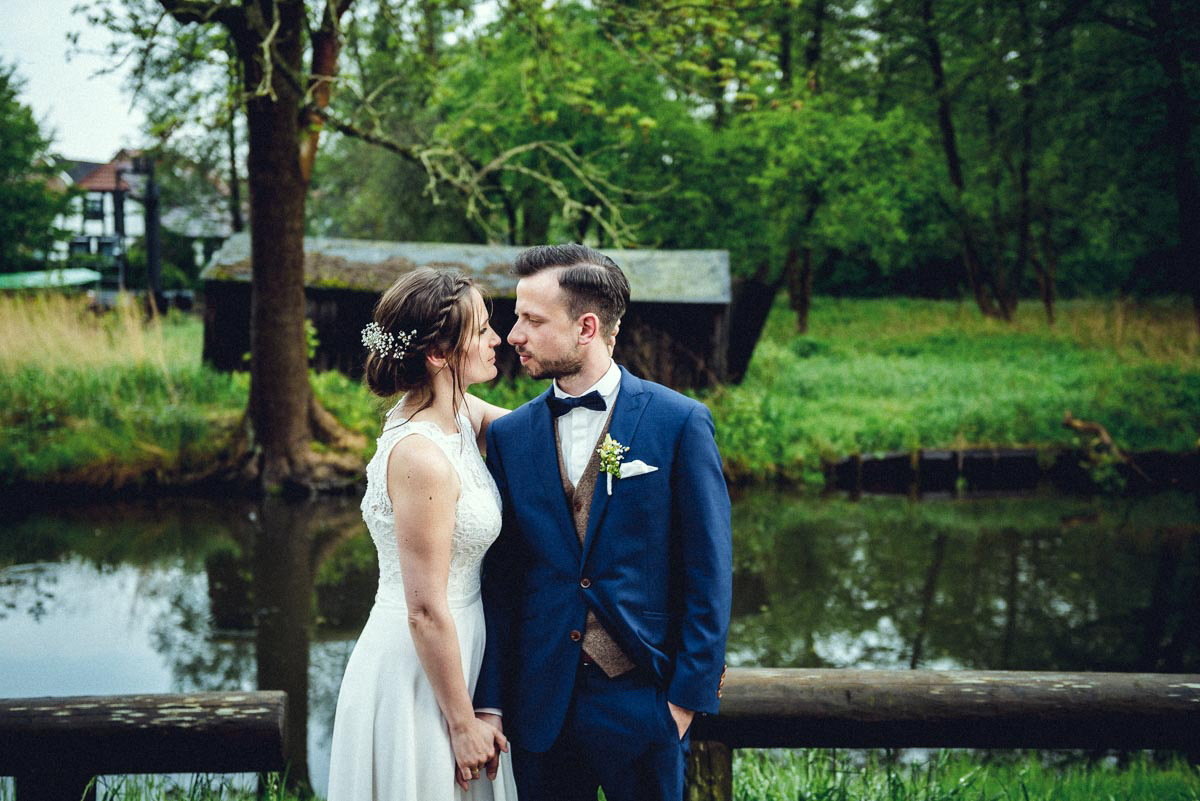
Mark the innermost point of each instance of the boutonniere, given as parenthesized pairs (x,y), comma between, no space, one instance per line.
(611,453)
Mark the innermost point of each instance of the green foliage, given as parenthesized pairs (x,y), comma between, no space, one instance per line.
(762,128)
(28,204)
(836,178)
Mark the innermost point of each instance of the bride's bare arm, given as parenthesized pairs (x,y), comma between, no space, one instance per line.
(424,488)
(482,414)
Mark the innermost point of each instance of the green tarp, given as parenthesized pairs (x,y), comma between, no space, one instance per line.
(46,279)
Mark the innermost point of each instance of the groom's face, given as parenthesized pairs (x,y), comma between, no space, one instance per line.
(546,338)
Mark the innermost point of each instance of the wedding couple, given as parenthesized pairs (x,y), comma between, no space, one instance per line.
(552,621)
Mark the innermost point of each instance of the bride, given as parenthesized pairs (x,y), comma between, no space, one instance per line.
(405,729)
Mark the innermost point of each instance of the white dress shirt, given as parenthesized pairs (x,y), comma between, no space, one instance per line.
(579,429)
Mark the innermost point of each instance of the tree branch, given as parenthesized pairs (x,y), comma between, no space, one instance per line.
(326,48)
(191,11)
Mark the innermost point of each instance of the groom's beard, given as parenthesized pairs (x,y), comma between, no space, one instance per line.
(562,367)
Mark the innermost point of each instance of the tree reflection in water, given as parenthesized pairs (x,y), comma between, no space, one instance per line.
(1033,583)
(271,594)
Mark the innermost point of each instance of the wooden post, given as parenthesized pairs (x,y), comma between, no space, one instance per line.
(54,746)
(709,772)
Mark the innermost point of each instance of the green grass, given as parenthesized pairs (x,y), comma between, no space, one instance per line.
(105,400)
(823,775)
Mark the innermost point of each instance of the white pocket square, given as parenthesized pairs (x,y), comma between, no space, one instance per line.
(636,468)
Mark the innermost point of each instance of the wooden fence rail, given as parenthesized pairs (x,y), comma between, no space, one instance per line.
(54,746)
(796,708)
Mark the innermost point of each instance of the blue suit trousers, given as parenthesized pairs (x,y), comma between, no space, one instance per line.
(618,734)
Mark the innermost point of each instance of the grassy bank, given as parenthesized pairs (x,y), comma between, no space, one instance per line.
(106,400)
(820,775)
(897,374)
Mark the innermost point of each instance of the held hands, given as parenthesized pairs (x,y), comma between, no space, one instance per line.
(497,722)
(476,744)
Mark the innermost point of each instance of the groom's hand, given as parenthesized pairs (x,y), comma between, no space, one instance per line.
(493,764)
(682,717)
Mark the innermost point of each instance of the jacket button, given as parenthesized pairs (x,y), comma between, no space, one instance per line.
(585,582)
(575,635)
(578,506)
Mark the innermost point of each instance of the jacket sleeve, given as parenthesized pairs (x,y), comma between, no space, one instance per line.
(501,587)
(701,516)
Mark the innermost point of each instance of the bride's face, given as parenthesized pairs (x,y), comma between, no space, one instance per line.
(479,359)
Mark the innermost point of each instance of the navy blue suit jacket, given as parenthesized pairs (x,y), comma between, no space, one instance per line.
(658,553)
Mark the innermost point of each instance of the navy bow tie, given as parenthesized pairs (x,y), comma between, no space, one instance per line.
(560,406)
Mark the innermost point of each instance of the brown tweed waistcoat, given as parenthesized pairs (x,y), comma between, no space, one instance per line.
(598,644)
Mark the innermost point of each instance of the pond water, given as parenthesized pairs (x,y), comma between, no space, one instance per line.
(187,594)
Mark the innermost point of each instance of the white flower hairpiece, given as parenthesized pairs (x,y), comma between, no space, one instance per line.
(386,344)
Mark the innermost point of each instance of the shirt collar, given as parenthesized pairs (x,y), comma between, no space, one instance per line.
(607,386)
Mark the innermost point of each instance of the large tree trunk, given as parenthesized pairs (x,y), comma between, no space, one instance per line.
(278,412)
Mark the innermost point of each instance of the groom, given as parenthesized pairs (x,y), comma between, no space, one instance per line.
(608,592)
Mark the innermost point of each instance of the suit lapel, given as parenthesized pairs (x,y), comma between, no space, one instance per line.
(631,402)
(544,463)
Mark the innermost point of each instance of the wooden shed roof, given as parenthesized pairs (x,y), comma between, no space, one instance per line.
(666,276)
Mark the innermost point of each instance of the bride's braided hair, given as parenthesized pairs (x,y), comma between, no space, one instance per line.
(437,306)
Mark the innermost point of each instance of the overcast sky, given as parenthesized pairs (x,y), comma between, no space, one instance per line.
(89,115)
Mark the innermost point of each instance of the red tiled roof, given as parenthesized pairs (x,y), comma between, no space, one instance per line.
(104,178)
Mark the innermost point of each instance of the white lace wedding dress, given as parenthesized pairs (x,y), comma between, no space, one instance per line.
(390,741)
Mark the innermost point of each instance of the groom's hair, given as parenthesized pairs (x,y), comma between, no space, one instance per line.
(592,281)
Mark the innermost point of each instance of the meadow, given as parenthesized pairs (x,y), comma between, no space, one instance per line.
(109,400)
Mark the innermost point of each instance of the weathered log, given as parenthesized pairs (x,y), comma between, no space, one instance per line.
(50,743)
(796,708)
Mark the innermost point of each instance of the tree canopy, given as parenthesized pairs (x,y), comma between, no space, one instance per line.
(28,200)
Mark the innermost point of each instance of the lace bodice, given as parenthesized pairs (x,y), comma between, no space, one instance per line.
(477,514)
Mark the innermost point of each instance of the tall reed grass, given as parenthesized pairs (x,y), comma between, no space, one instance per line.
(52,330)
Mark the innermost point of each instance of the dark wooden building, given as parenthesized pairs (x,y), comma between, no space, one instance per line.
(676,330)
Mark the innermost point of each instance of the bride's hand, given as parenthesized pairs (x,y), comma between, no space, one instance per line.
(474,746)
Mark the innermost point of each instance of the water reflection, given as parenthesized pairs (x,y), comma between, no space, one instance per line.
(220,595)
(1034,583)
